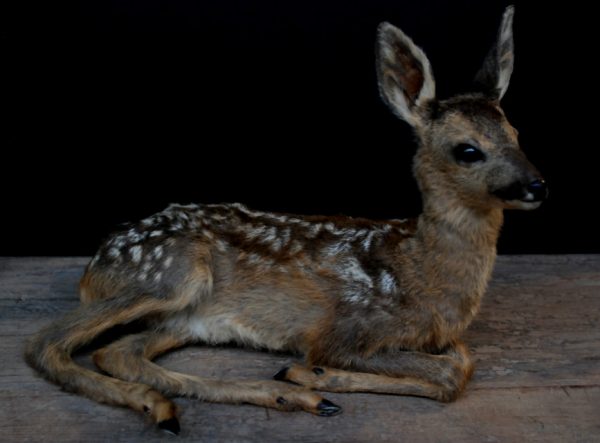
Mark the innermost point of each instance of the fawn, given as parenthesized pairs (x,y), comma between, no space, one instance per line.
(374,306)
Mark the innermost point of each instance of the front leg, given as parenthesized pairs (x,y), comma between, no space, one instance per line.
(438,376)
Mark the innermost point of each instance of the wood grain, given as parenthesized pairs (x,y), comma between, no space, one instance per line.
(536,343)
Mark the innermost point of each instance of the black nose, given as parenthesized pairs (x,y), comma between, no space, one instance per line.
(538,189)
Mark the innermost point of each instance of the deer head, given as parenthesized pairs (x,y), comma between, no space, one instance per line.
(468,153)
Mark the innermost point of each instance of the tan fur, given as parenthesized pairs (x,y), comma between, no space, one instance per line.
(374,306)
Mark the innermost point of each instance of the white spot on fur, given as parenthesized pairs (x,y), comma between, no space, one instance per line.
(142,276)
(296,247)
(358,234)
(282,240)
(177,207)
(353,297)
(314,230)
(155,233)
(158,252)
(357,284)
(157,277)
(333,229)
(221,245)
(168,261)
(94,260)
(299,222)
(148,221)
(254,259)
(270,235)
(337,248)
(279,218)
(351,271)
(387,282)
(259,262)
(255,232)
(386,228)
(136,253)
(119,241)
(114,253)
(218,217)
(277,244)
(366,243)
(206,233)
(134,236)
(347,233)
(247,211)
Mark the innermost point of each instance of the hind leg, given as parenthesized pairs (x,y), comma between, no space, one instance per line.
(50,353)
(110,298)
(130,359)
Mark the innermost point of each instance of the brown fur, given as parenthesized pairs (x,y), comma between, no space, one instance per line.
(375,306)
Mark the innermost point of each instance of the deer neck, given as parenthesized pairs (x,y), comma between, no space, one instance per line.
(452,256)
(446,222)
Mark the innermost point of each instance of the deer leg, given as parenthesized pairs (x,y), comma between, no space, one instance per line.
(50,350)
(441,377)
(50,353)
(130,359)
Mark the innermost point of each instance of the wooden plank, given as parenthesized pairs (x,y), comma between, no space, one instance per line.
(536,343)
(539,323)
(532,415)
(40,278)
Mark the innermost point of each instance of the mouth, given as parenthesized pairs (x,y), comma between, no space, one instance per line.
(519,196)
(526,205)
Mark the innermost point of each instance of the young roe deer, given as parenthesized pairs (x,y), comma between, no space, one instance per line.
(374,306)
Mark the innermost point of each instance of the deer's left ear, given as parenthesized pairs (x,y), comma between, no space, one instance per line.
(494,75)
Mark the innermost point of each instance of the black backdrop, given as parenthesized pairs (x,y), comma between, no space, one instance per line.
(113,109)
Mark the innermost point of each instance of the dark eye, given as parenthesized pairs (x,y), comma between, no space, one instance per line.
(464,153)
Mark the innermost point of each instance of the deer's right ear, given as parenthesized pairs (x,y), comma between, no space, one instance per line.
(404,74)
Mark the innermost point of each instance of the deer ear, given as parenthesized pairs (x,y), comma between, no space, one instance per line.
(404,74)
(494,75)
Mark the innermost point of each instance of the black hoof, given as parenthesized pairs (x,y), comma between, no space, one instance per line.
(318,371)
(171,426)
(328,409)
(281,374)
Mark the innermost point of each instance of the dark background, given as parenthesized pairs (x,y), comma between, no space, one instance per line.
(113,109)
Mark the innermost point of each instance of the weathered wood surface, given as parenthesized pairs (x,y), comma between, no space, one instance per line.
(536,343)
